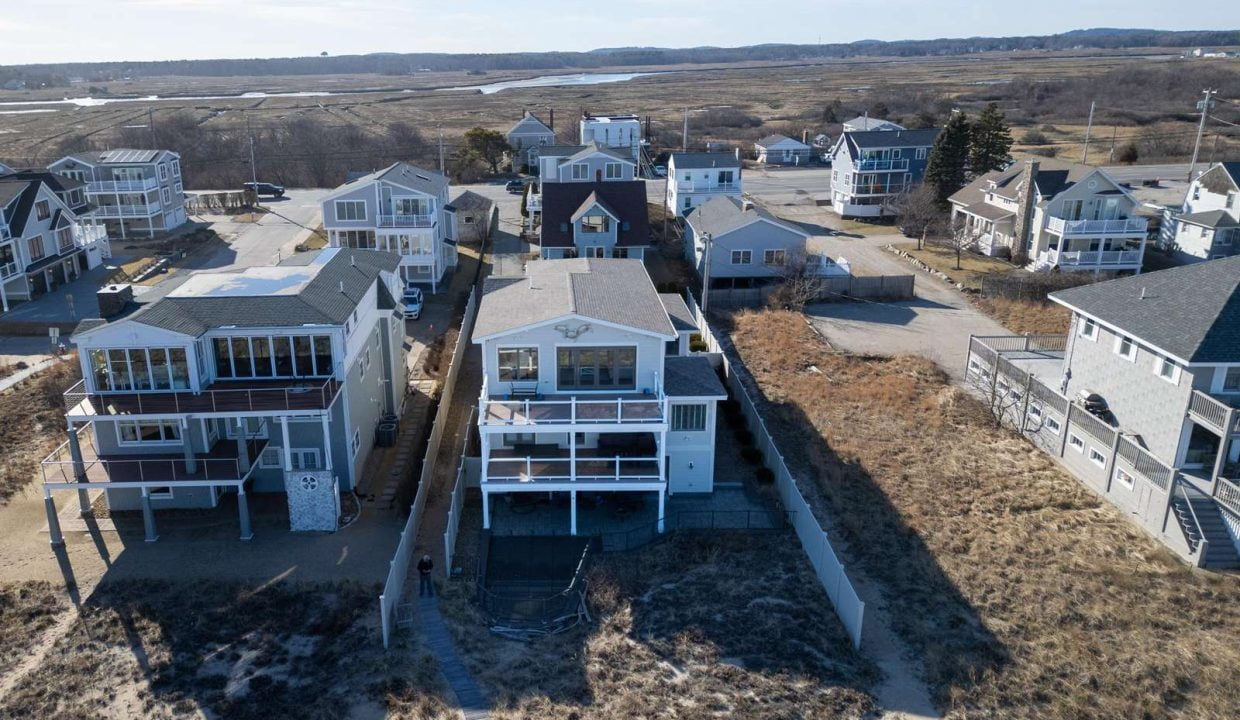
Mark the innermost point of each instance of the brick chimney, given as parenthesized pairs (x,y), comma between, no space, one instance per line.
(1026,198)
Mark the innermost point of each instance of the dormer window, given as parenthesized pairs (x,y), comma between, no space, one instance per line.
(595,223)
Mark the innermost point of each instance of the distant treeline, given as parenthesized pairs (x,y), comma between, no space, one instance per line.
(406,63)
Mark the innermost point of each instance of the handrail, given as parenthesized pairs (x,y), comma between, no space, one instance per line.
(1200,549)
(520,410)
(1227,493)
(188,400)
(1208,409)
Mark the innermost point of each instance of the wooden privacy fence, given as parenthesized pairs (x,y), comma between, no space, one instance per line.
(814,540)
(467,473)
(831,289)
(398,568)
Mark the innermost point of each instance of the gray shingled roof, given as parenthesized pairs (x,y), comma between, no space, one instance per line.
(721,215)
(870,139)
(1191,312)
(678,312)
(403,174)
(770,140)
(1209,218)
(988,211)
(861,122)
(530,125)
(704,160)
(691,376)
(608,290)
(319,301)
(559,150)
(588,150)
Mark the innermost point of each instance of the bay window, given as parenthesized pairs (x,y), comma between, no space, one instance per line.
(120,369)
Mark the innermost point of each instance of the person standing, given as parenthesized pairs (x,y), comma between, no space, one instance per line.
(425,586)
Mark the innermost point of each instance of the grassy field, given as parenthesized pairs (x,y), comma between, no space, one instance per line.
(39,405)
(1024,316)
(168,650)
(972,265)
(1025,595)
(26,611)
(726,626)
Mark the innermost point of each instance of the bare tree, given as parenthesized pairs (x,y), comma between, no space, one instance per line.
(962,237)
(919,212)
(801,283)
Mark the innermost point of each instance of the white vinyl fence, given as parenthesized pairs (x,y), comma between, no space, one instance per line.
(398,569)
(830,571)
(463,472)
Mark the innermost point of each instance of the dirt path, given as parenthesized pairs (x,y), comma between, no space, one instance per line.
(34,659)
(902,693)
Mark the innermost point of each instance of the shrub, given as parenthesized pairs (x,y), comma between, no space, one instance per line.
(743,436)
(752,455)
(1127,154)
(698,345)
(1049,152)
(764,475)
(1034,137)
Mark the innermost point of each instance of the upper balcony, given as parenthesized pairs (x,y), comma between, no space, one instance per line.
(405,221)
(85,234)
(1212,411)
(508,410)
(220,465)
(222,397)
(879,165)
(555,465)
(1135,227)
(125,211)
(9,269)
(122,186)
(690,186)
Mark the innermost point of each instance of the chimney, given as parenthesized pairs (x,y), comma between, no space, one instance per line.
(551,115)
(738,153)
(1025,201)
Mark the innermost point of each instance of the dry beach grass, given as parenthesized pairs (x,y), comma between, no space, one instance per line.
(1025,594)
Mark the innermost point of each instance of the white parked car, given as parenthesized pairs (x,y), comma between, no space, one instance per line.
(413,303)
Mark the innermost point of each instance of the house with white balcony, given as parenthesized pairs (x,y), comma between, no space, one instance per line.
(526,138)
(1140,401)
(742,241)
(268,380)
(618,132)
(781,150)
(600,219)
(133,192)
(1053,215)
(871,169)
(587,390)
(44,241)
(694,178)
(402,210)
(1207,224)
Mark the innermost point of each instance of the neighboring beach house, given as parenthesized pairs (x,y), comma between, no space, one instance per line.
(862,123)
(589,163)
(870,169)
(694,178)
(1207,227)
(1141,400)
(272,379)
(402,210)
(133,192)
(587,389)
(601,219)
(781,150)
(748,242)
(1053,215)
(44,241)
(526,137)
(618,132)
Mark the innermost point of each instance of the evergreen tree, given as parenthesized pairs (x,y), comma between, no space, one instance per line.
(945,168)
(990,139)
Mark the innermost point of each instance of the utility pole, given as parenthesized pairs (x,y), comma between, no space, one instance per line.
(440,127)
(150,125)
(253,165)
(1204,105)
(1089,127)
(707,239)
(684,135)
(1111,157)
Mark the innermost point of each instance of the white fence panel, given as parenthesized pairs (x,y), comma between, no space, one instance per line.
(398,569)
(814,541)
(463,472)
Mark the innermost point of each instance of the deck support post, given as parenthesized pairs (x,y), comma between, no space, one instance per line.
(327,442)
(148,516)
(84,502)
(243,448)
(191,462)
(53,522)
(288,451)
(75,453)
(662,500)
(243,513)
(486,509)
(572,512)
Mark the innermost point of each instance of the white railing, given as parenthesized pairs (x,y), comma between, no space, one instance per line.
(1227,493)
(86,235)
(690,186)
(398,569)
(7,269)
(414,221)
(573,410)
(1118,226)
(123,211)
(534,202)
(814,541)
(1093,257)
(561,469)
(114,186)
(881,165)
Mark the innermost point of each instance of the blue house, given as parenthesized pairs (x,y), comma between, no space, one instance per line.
(870,169)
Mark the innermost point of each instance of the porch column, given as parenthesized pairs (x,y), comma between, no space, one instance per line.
(288,451)
(327,442)
(84,502)
(243,450)
(486,509)
(53,522)
(572,513)
(662,450)
(243,513)
(148,516)
(4,296)
(661,502)
(191,462)
(1224,444)
(572,462)
(75,453)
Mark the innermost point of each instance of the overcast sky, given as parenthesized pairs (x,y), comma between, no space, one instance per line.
(33,31)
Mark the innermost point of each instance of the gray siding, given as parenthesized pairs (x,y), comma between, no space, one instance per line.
(596,169)
(757,237)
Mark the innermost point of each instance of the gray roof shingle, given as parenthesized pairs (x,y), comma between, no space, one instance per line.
(691,376)
(403,174)
(608,290)
(721,215)
(1209,218)
(1191,312)
(626,199)
(678,312)
(770,140)
(704,160)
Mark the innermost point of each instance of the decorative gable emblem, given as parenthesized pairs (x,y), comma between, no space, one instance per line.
(572,333)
